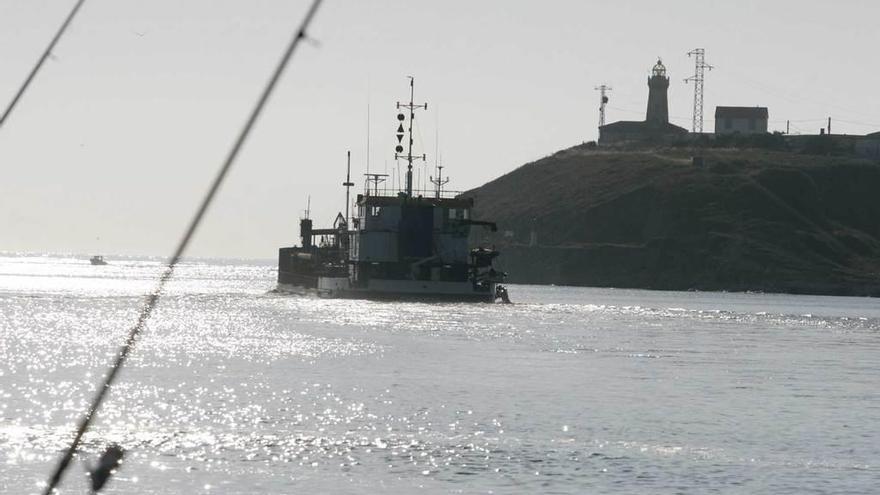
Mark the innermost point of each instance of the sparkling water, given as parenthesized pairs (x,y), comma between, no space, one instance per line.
(234,389)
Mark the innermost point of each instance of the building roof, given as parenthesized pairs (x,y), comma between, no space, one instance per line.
(873,135)
(741,112)
(642,126)
(624,125)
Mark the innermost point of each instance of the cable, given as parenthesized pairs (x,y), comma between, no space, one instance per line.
(39,64)
(153,298)
(863,124)
(788,95)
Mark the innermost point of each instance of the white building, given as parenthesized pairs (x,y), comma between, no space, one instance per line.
(743,120)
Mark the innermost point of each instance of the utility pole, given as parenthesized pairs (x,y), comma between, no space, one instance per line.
(603,100)
(698,78)
(829,126)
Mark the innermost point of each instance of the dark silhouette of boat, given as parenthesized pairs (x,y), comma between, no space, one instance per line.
(397,244)
(97,260)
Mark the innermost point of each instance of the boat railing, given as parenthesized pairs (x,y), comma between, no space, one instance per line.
(417,193)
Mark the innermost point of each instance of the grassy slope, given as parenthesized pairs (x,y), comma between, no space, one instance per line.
(748,220)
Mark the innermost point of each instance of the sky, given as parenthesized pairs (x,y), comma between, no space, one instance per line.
(118,138)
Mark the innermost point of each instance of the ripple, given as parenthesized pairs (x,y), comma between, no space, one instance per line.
(571,390)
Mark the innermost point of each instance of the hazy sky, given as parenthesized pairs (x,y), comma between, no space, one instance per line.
(113,146)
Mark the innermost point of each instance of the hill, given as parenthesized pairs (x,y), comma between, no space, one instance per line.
(747,220)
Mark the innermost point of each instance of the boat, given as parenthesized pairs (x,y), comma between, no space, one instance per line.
(97,260)
(398,244)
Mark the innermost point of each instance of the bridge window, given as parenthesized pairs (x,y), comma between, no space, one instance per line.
(459,213)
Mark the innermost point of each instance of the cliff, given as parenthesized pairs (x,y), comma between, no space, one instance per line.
(747,220)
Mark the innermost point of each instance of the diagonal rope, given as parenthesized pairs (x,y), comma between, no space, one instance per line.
(153,298)
(39,64)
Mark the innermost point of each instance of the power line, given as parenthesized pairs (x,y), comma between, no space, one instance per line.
(863,124)
(792,97)
(153,298)
(39,64)
(642,112)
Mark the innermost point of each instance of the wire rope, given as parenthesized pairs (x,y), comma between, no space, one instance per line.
(27,82)
(153,298)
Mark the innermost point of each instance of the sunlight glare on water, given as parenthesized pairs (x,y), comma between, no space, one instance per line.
(235,389)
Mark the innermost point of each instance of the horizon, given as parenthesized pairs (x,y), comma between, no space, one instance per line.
(117,138)
(118,256)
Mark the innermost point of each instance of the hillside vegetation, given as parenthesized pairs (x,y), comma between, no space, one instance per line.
(748,220)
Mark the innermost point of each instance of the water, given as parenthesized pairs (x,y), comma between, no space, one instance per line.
(236,390)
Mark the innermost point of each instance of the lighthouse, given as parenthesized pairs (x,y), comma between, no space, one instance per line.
(658,85)
(655,129)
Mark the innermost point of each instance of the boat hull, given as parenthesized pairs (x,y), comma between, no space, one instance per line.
(396,290)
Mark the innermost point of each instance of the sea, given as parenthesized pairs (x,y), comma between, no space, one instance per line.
(236,389)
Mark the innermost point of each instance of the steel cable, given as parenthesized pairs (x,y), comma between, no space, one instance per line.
(153,298)
(39,64)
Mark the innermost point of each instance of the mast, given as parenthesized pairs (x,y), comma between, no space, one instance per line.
(399,149)
(376,179)
(439,182)
(348,183)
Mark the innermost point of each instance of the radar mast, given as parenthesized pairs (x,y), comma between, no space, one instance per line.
(400,133)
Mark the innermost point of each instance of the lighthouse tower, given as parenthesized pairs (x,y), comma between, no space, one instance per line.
(656,127)
(658,106)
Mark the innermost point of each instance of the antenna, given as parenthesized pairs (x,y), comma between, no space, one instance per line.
(348,183)
(439,182)
(368,133)
(376,179)
(603,100)
(436,135)
(698,78)
(399,149)
(308,207)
